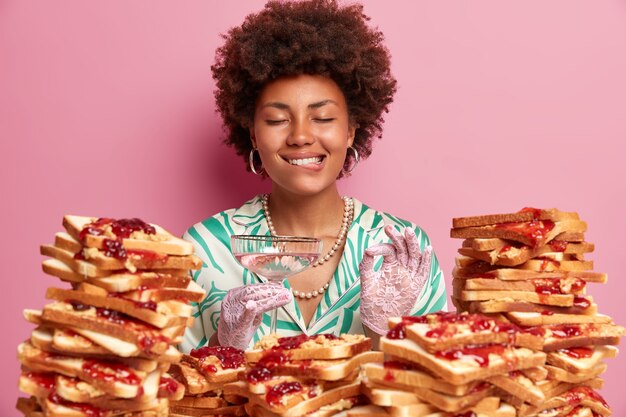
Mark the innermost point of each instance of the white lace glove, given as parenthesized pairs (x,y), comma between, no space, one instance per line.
(242,311)
(393,290)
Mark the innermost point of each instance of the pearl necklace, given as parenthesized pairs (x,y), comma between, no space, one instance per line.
(348,213)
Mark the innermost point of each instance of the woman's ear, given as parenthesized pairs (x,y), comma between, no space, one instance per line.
(351,132)
(252,137)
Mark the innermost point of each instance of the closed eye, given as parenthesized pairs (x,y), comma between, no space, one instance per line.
(320,120)
(275,122)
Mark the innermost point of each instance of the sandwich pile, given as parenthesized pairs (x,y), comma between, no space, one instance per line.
(316,376)
(204,372)
(449,364)
(103,346)
(529,269)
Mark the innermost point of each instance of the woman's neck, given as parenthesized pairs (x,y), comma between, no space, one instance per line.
(316,215)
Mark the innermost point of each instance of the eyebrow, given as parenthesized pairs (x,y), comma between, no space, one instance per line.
(317,105)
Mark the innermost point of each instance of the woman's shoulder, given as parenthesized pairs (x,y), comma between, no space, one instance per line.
(375,220)
(228,222)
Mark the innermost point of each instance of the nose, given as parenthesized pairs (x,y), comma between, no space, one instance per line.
(300,133)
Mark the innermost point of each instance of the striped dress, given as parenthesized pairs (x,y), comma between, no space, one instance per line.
(338,311)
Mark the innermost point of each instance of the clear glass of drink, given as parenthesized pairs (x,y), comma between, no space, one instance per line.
(275,258)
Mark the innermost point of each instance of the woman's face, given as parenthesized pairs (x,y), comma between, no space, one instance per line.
(302,131)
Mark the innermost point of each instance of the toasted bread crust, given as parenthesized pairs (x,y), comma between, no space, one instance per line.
(511,305)
(121,304)
(327,370)
(521,216)
(165,243)
(448,335)
(343,350)
(582,335)
(513,256)
(491,231)
(378,374)
(139,334)
(517,358)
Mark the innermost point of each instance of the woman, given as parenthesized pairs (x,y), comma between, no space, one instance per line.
(301,87)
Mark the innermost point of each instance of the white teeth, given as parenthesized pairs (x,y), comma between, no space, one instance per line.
(315,160)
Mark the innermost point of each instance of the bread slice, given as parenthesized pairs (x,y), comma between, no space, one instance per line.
(29,407)
(195,383)
(217,363)
(535,374)
(555,388)
(488,406)
(64,341)
(465,368)
(584,396)
(341,408)
(165,300)
(79,266)
(447,330)
(108,322)
(484,270)
(539,319)
(518,385)
(364,410)
(227,410)
(145,363)
(328,369)
(526,214)
(452,403)
(580,359)
(203,402)
(120,282)
(387,396)
(559,374)
(560,300)
(548,265)
(489,244)
(405,375)
(156,314)
(77,391)
(582,305)
(562,336)
(531,233)
(121,258)
(263,386)
(569,285)
(93,233)
(57,407)
(124,382)
(304,347)
(295,404)
(510,255)
(81,342)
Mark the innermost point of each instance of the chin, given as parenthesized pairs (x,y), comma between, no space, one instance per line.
(303,187)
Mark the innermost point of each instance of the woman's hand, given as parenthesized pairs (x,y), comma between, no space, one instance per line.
(242,311)
(393,290)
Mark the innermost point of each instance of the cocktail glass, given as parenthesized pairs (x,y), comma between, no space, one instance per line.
(275,258)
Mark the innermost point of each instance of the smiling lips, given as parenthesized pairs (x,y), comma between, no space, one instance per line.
(306,161)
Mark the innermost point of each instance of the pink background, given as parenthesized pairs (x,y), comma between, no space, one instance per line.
(106,109)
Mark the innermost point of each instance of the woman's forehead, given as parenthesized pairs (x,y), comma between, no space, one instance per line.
(311,91)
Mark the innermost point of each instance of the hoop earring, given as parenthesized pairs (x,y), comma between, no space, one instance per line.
(356,161)
(251,162)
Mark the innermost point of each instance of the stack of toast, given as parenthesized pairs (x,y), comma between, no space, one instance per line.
(448,364)
(204,372)
(529,268)
(316,376)
(104,345)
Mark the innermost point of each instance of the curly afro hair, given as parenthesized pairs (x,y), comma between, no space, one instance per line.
(304,37)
